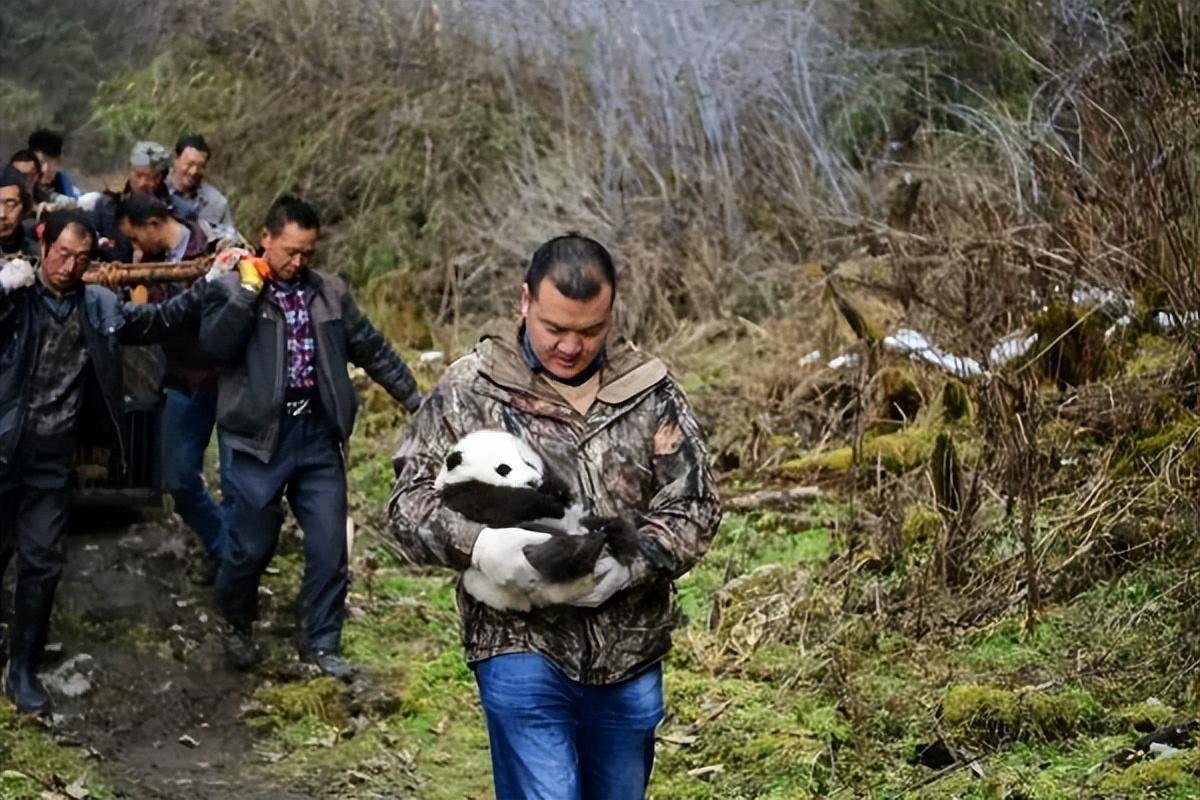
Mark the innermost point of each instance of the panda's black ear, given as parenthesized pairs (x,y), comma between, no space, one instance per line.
(454,459)
(503,469)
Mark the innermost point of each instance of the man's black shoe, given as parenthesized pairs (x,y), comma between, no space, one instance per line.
(330,663)
(22,686)
(203,570)
(241,650)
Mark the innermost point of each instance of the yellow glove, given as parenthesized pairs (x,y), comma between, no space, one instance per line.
(252,278)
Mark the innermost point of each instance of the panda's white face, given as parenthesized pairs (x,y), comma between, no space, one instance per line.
(493,457)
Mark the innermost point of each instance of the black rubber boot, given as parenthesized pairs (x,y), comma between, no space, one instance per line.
(27,639)
(5,557)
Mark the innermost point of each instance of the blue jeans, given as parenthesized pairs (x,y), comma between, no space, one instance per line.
(553,738)
(188,422)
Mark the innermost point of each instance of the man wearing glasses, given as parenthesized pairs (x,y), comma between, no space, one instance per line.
(60,361)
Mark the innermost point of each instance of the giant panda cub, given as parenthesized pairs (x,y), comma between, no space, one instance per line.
(493,478)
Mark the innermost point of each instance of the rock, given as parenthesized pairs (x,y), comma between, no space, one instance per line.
(130,542)
(77,790)
(73,677)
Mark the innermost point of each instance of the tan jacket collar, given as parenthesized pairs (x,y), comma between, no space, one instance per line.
(628,373)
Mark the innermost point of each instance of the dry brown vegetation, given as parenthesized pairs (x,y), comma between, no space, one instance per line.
(1005,562)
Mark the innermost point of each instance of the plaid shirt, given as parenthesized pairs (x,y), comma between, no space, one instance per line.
(301,347)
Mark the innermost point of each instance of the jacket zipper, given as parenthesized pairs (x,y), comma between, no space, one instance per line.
(589,487)
(323,366)
(322,358)
(23,408)
(280,369)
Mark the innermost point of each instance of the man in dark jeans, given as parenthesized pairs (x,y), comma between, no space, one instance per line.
(60,363)
(286,409)
(190,384)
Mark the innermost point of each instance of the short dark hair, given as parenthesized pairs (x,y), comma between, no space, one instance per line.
(59,221)
(193,140)
(25,155)
(289,208)
(46,141)
(578,266)
(140,208)
(11,176)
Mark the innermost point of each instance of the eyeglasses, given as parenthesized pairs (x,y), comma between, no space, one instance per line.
(10,204)
(78,258)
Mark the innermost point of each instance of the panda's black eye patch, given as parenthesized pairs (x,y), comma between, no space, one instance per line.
(454,459)
(503,469)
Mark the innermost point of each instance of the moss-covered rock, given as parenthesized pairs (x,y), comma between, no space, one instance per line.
(1178,771)
(921,525)
(956,402)
(326,699)
(1146,716)
(896,452)
(981,713)
(1075,350)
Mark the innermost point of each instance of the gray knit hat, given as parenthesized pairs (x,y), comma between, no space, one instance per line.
(149,154)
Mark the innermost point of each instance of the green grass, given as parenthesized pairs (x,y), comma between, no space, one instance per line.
(745,542)
(32,763)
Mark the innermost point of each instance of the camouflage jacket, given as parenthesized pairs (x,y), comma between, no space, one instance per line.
(638,449)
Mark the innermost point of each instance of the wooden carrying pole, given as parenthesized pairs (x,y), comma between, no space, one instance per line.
(151,272)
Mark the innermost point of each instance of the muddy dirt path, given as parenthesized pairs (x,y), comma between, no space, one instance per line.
(137,645)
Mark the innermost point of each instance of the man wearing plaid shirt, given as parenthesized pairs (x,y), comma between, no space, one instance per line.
(286,408)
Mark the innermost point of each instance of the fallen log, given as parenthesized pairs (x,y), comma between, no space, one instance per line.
(775,498)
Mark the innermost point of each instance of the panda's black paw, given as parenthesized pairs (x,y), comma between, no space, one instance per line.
(563,558)
(620,533)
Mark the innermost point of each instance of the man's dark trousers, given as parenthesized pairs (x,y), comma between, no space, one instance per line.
(34,501)
(307,466)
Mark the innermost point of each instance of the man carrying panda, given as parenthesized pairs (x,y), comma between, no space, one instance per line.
(572,691)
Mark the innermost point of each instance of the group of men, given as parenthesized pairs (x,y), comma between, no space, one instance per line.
(572,693)
(273,343)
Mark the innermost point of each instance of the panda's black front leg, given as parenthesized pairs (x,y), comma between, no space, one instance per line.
(565,558)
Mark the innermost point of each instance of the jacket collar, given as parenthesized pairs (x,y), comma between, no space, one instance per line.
(309,282)
(627,373)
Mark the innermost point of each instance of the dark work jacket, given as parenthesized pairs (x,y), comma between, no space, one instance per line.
(104,217)
(21,243)
(107,324)
(189,368)
(246,332)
